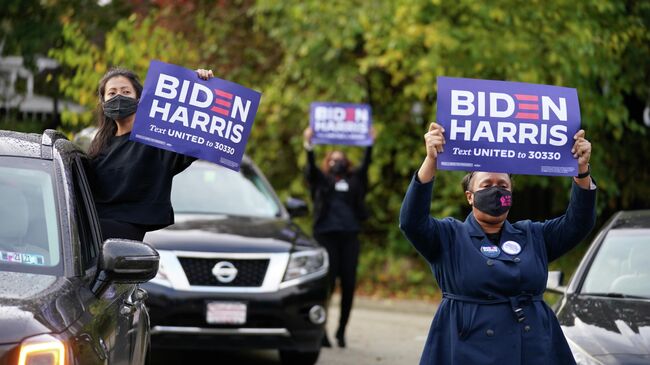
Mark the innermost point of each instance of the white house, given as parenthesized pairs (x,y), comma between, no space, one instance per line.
(30,105)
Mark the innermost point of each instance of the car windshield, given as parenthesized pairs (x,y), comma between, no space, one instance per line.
(29,234)
(205,188)
(621,267)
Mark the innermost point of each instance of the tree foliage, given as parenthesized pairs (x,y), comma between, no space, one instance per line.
(388,54)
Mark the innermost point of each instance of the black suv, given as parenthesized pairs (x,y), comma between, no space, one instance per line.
(235,271)
(65,298)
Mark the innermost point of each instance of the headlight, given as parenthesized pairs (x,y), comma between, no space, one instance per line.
(42,350)
(305,265)
(581,356)
(162,276)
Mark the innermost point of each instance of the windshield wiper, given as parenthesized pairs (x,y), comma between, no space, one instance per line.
(615,295)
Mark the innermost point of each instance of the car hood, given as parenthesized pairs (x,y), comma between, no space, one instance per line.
(33,304)
(220,233)
(608,328)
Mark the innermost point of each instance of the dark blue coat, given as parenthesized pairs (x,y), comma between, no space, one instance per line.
(492,311)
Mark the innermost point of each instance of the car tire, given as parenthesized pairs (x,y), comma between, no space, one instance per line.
(288,357)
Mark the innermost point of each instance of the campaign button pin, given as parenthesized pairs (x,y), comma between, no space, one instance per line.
(342,186)
(490,251)
(511,247)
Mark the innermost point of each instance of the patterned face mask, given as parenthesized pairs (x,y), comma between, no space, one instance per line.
(494,200)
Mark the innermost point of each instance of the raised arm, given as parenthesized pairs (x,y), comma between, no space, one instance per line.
(422,230)
(312,172)
(415,221)
(362,170)
(565,232)
(367,159)
(434,141)
(177,162)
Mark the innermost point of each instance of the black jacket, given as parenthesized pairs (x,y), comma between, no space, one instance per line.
(132,182)
(322,186)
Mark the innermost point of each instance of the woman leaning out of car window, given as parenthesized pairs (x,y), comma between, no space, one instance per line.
(131,182)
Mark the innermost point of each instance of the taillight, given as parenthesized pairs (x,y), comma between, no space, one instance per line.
(42,350)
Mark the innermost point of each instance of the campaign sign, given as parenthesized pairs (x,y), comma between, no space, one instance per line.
(340,123)
(208,119)
(511,127)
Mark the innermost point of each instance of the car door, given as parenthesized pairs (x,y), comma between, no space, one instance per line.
(139,329)
(109,326)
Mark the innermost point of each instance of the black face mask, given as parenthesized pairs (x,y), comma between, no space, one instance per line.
(494,200)
(120,107)
(339,167)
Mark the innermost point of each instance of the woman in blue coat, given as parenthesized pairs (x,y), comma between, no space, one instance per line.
(492,272)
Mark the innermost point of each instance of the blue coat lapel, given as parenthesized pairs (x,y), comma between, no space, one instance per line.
(508,233)
(473,227)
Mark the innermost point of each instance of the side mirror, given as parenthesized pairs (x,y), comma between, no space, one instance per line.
(554,282)
(126,261)
(296,207)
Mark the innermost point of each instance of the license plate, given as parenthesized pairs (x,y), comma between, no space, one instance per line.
(226,313)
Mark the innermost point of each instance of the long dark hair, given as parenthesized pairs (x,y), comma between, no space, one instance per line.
(107,126)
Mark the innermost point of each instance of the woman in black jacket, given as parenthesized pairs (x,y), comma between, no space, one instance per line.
(131,182)
(338,191)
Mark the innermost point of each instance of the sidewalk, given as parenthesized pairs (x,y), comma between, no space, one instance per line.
(380,331)
(389,305)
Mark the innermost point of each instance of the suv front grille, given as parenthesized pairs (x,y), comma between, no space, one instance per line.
(250,273)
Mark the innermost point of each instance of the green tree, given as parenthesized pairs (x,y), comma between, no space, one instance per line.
(388,54)
(193,34)
(30,28)
(131,44)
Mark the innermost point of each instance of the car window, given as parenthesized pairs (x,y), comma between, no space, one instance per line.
(86,225)
(29,229)
(206,188)
(621,264)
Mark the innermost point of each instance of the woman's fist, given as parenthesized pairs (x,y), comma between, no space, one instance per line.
(434,140)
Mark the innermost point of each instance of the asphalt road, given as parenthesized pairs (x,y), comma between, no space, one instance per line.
(379,332)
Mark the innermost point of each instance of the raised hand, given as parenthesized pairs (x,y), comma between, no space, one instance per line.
(204,74)
(434,140)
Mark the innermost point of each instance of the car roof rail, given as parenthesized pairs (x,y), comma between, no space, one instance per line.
(47,142)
